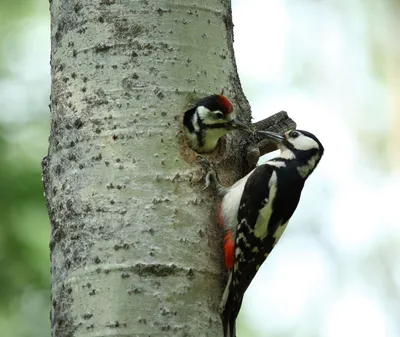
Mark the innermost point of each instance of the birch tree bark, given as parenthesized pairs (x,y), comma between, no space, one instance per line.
(135,248)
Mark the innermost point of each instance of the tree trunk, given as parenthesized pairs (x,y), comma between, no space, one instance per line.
(135,248)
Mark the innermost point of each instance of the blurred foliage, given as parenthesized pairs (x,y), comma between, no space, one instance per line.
(24,230)
(12,13)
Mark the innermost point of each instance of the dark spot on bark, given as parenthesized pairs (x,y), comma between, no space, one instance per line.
(158,93)
(101,47)
(190,274)
(74,53)
(87,316)
(97,158)
(161,11)
(77,7)
(57,36)
(71,157)
(166,327)
(83,89)
(107,163)
(78,123)
(73,75)
(85,79)
(125,275)
(112,202)
(81,166)
(113,325)
(58,169)
(134,291)
(97,130)
(93,292)
(114,137)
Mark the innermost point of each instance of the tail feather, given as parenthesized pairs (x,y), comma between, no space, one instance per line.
(230,306)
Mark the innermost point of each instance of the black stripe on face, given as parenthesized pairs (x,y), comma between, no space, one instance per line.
(217,126)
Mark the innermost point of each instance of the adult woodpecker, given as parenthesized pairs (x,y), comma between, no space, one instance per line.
(209,120)
(257,208)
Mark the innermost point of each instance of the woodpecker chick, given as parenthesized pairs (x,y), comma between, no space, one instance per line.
(257,209)
(208,121)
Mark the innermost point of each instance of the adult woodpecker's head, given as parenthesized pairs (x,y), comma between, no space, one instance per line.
(209,120)
(301,146)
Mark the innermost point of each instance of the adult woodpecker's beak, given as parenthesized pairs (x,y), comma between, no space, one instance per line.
(234,124)
(275,137)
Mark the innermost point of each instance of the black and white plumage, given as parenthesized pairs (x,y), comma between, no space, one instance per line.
(208,121)
(258,208)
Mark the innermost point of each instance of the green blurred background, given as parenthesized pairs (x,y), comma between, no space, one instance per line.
(24,129)
(334,66)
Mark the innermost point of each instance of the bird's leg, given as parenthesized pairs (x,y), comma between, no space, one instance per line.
(212,177)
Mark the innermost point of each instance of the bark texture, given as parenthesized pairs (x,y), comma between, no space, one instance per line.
(135,249)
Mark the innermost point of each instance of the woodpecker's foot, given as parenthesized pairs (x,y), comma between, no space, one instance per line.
(211,176)
(208,168)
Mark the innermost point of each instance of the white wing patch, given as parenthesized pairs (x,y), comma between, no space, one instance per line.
(261,227)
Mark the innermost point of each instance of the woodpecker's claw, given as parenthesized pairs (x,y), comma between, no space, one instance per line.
(211,176)
(205,162)
(209,170)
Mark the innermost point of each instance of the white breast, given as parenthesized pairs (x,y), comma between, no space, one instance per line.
(231,201)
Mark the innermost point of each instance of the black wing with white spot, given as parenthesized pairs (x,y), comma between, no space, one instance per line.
(253,198)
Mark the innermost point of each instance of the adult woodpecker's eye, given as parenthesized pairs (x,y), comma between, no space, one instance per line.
(219,115)
(294,134)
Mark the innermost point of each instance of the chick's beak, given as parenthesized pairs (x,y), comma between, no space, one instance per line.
(234,124)
(275,137)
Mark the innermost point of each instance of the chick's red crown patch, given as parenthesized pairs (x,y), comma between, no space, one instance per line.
(226,105)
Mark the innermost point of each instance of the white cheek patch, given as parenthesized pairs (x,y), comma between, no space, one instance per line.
(195,123)
(304,143)
(203,112)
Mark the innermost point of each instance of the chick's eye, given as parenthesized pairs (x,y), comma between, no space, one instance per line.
(219,115)
(294,134)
